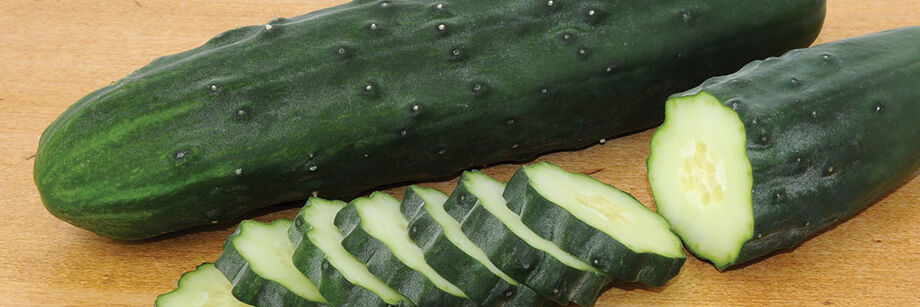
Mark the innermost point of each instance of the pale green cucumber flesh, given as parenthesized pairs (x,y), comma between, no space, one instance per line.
(320,214)
(269,252)
(434,206)
(701,177)
(490,192)
(607,209)
(596,222)
(206,286)
(382,220)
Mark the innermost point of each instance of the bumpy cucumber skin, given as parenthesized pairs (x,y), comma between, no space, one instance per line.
(251,288)
(512,255)
(370,93)
(465,272)
(829,131)
(335,288)
(382,263)
(554,223)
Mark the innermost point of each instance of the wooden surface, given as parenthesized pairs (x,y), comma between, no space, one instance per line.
(53,52)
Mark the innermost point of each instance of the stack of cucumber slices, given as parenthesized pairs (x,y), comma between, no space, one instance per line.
(547,237)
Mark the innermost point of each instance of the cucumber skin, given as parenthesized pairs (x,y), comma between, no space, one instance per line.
(465,272)
(111,163)
(872,152)
(512,255)
(248,286)
(382,263)
(335,288)
(555,224)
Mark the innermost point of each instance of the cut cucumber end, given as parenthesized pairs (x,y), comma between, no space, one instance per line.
(701,177)
(605,208)
(269,252)
(320,215)
(206,286)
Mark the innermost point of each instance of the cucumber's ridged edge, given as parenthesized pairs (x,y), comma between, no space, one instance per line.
(540,271)
(593,246)
(445,258)
(248,286)
(237,271)
(477,282)
(382,263)
(412,205)
(332,283)
(310,260)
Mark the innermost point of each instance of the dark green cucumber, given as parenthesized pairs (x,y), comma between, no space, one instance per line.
(206,286)
(257,261)
(456,257)
(484,217)
(371,92)
(765,158)
(596,222)
(368,222)
(342,279)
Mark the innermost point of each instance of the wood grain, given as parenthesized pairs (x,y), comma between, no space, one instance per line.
(53,52)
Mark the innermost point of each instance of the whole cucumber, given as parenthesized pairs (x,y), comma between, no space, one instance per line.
(371,93)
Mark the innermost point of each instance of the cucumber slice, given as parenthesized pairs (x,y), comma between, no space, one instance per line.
(257,259)
(203,287)
(701,177)
(340,277)
(453,255)
(478,205)
(596,222)
(760,160)
(377,234)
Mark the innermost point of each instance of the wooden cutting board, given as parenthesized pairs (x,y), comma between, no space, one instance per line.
(52,52)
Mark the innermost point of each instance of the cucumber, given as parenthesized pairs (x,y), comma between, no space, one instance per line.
(453,255)
(206,286)
(596,222)
(371,93)
(342,279)
(760,160)
(257,259)
(484,217)
(377,234)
